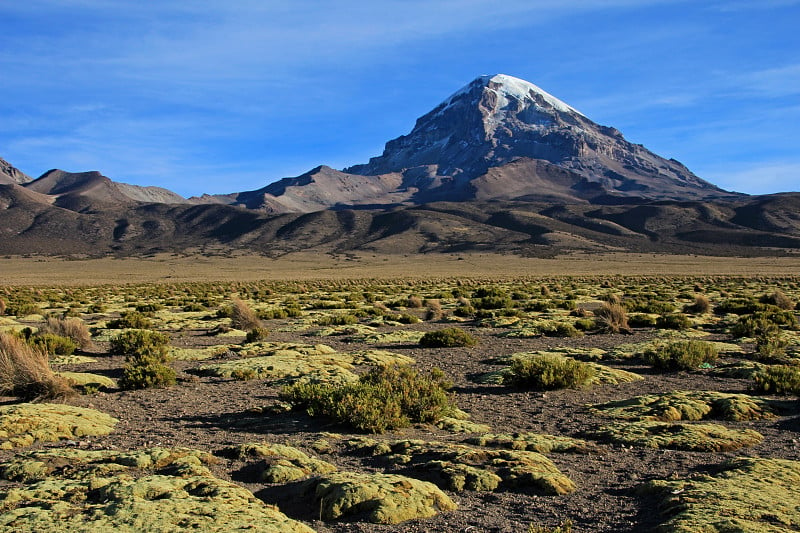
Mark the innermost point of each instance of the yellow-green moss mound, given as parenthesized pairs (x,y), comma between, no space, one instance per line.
(289,363)
(281,463)
(150,490)
(689,405)
(85,379)
(286,368)
(377,498)
(534,442)
(748,494)
(24,424)
(599,374)
(460,467)
(678,436)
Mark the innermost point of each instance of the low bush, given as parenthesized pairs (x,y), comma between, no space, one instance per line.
(339,320)
(561,329)
(25,372)
(146,359)
(52,344)
(257,334)
(677,321)
(387,397)
(681,355)
(447,338)
(492,302)
(130,320)
(549,372)
(778,379)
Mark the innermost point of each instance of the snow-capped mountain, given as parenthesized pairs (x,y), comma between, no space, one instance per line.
(498,120)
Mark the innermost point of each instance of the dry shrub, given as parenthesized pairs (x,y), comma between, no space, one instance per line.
(25,372)
(778,299)
(72,328)
(243,317)
(2,306)
(612,318)
(434,311)
(414,302)
(701,306)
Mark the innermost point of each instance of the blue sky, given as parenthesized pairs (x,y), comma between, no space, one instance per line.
(205,96)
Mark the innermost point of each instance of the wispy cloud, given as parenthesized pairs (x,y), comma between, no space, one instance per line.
(759,178)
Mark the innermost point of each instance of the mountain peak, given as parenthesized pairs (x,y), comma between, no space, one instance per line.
(498,119)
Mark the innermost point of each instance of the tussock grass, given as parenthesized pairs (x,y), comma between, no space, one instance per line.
(612,318)
(25,372)
(73,328)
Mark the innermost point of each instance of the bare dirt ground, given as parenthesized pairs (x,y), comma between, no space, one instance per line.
(211,413)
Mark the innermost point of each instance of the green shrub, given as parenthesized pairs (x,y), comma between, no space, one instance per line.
(138,342)
(194,307)
(585,324)
(738,306)
(674,321)
(447,338)
(771,344)
(682,355)
(23,309)
(146,372)
(145,359)
(273,314)
(149,308)
(489,292)
(763,322)
(561,329)
(778,379)
(130,319)
(549,372)
(387,397)
(339,320)
(53,344)
(642,321)
(492,302)
(257,334)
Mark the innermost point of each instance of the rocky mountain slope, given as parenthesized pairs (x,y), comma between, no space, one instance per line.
(499,166)
(10,174)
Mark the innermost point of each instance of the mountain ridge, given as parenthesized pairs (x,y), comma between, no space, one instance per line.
(500,165)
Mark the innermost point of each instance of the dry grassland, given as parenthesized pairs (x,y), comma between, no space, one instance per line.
(305,266)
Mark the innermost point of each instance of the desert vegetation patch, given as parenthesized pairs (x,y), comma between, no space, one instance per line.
(443,404)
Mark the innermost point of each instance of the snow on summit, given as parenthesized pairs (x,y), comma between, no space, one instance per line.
(510,87)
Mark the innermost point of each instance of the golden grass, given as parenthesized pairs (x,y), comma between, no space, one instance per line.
(25,372)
